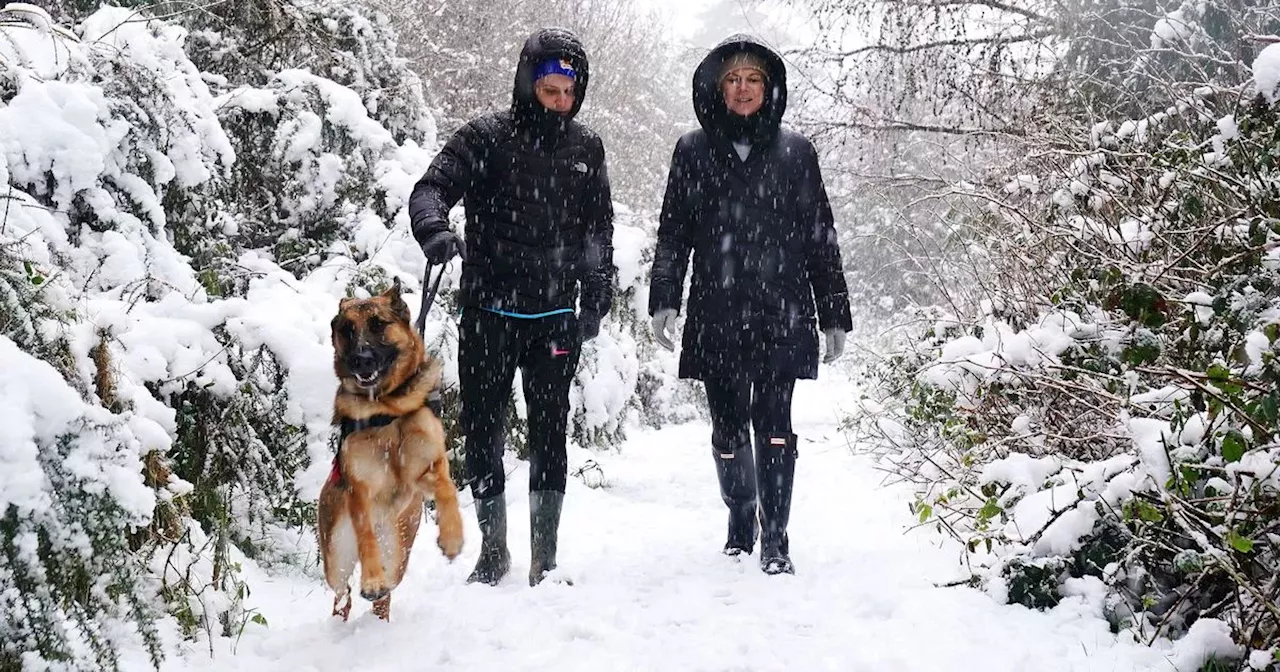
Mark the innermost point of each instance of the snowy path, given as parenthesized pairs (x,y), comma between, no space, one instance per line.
(653,592)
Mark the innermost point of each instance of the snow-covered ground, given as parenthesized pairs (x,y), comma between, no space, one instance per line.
(651,590)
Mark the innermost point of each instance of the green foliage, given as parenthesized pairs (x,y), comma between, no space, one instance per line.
(240,454)
(23,308)
(1034,583)
(1234,445)
(1141,302)
(1135,510)
(1240,543)
(1104,545)
(74,574)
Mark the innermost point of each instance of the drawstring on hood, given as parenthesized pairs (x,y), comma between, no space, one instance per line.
(708,100)
(530,115)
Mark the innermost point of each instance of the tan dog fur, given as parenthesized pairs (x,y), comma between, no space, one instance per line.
(371,513)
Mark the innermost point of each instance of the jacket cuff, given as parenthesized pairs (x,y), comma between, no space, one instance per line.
(427,226)
(834,313)
(663,297)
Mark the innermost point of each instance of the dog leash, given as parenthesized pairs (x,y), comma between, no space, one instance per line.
(428,298)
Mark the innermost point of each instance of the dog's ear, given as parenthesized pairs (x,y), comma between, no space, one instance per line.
(398,306)
(393,292)
(346,301)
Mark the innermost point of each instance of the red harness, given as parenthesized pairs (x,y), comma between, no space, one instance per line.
(347,427)
(335,474)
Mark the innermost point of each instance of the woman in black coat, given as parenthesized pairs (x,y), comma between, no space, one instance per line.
(746,197)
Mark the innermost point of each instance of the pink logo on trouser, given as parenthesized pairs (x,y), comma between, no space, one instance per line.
(558,352)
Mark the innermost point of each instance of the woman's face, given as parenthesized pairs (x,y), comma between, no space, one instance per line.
(743,91)
(556,93)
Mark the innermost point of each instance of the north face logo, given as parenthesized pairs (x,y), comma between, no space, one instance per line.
(580,167)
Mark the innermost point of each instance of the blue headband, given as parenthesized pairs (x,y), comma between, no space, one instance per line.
(555,66)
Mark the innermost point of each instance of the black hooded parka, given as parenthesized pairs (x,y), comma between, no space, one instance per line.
(536,194)
(766,264)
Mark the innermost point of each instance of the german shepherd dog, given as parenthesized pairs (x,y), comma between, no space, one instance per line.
(391,453)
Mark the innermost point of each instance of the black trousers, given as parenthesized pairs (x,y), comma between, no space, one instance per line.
(754,471)
(490,348)
(740,404)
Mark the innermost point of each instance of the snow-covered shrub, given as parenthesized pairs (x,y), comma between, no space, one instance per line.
(72,496)
(130,264)
(344,44)
(1106,404)
(72,488)
(335,123)
(626,379)
(1101,403)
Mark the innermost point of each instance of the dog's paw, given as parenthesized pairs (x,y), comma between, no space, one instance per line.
(342,609)
(450,545)
(450,537)
(374,590)
(382,608)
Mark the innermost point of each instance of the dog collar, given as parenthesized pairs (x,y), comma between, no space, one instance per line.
(349,426)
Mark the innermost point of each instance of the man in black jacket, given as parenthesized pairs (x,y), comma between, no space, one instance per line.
(539,228)
(746,198)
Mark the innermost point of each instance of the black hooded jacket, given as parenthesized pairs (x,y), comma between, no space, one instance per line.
(536,194)
(761,232)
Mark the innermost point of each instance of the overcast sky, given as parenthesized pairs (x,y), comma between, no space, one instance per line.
(702,23)
(686,15)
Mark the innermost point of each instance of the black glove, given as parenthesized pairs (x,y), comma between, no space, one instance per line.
(588,326)
(443,246)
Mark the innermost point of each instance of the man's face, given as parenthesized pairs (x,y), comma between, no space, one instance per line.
(556,93)
(743,91)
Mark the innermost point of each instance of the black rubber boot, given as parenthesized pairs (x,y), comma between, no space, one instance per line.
(495,559)
(544,526)
(776,454)
(736,471)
